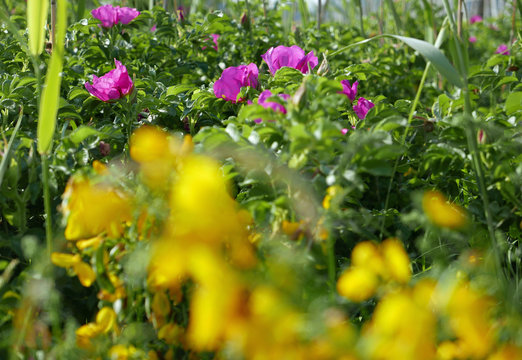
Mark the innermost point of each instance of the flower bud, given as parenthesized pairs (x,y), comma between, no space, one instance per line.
(324,68)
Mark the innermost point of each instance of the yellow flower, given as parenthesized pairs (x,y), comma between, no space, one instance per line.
(396,260)
(85,273)
(121,352)
(366,254)
(400,329)
(92,242)
(469,313)
(65,260)
(371,265)
(357,284)
(294,230)
(106,319)
(105,322)
(157,153)
(331,193)
(442,213)
(99,167)
(93,209)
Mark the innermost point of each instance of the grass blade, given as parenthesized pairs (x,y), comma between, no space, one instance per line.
(51,92)
(37,11)
(7,153)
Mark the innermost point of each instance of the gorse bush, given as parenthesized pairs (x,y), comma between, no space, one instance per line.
(231,184)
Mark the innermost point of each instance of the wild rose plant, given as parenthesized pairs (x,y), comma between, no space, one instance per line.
(362,107)
(263,101)
(349,90)
(502,49)
(112,15)
(475,19)
(111,86)
(233,79)
(292,56)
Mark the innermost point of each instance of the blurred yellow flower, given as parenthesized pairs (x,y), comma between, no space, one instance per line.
(373,265)
(367,254)
(507,352)
(121,352)
(400,329)
(396,260)
(158,154)
(93,209)
(357,284)
(331,192)
(469,315)
(441,212)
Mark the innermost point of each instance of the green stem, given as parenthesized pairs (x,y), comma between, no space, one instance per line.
(471,139)
(403,139)
(331,264)
(361,18)
(47,205)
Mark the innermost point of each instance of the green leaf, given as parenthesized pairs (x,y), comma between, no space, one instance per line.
(37,11)
(178,89)
(430,52)
(49,102)
(82,133)
(513,103)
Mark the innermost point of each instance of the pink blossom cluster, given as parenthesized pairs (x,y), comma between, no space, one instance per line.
(112,15)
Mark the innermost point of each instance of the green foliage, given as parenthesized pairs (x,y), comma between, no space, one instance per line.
(280,165)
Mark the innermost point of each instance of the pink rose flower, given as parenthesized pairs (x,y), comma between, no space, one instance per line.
(502,49)
(271,104)
(111,15)
(362,107)
(126,15)
(107,14)
(293,57)
(475,19)
(111,86)
(233,79)
(472,39)
(349,90)
(344,131)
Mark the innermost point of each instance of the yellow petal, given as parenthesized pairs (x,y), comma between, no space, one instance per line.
(89,330)
(396,260)
(65,260)
(106,318)
(92,242)
(357,284)
(442,213)
(99,167)
(85,273)
(366,254)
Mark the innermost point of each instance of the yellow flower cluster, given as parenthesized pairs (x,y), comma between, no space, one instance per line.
(371,266)
(202,256)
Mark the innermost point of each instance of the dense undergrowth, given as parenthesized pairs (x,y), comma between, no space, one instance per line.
(369,206)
